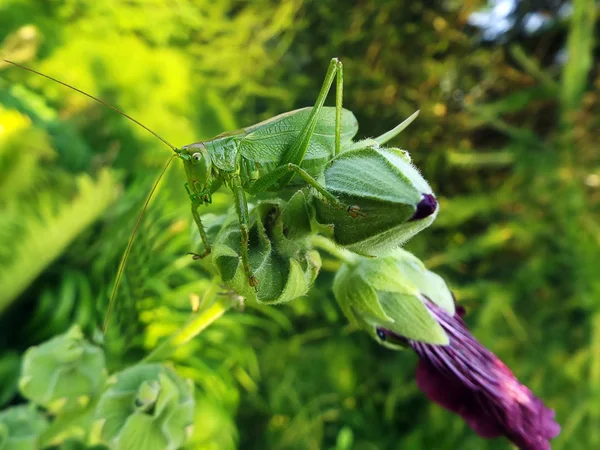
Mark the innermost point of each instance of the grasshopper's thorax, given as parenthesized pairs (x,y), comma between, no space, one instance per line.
(198,171)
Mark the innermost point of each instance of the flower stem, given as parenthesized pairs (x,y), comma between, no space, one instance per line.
(190,330)
(334,250)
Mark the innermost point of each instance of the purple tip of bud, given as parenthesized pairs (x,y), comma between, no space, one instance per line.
(425,208)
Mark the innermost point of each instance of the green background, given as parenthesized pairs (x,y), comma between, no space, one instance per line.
(507,137)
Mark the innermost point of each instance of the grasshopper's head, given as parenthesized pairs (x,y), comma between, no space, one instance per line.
(198,170)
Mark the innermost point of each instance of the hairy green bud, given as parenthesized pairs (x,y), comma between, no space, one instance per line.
(21,427)
(146,407)
(390,292)
(279,251)
(62,373)
(394,199)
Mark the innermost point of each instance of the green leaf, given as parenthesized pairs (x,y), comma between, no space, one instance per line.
(21,427)
(63,373)
(146,406)
(580,46)
(47,234)
(141,433)
(10,367)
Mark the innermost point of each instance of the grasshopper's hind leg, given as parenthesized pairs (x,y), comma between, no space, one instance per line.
(276,174)
(297,152)
(339,94)
(292,160)
(241,207)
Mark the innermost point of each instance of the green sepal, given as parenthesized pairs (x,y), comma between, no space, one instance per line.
(378,292)
(145,407)
(21,428)
(356,297)
(427,282)
(296,216)
(279,252)
(399,298)
(383,273)
(386,187)
(412,320)
(61,372)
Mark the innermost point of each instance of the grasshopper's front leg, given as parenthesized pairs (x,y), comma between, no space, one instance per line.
(196,201)
(195,205)
(241,207)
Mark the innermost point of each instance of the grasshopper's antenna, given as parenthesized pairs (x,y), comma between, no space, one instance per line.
(96,99)
(129,245)
(137,224)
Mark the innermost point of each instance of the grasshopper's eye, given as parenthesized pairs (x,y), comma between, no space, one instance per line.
(196,157)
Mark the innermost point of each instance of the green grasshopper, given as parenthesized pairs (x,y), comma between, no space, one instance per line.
(262,157)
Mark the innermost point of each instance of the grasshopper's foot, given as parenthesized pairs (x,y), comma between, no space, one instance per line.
(354,211)
(196,256)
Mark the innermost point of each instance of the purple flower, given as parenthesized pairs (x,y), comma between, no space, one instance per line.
(469,380)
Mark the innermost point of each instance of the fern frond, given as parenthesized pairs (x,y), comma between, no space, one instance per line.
(47,234)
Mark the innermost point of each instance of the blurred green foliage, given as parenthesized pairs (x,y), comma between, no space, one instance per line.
(506,136)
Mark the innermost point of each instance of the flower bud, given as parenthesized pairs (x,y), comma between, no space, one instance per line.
(62,373)
(390,293)
(279,251)
(395,298)
(21,427)
(394,200)
(146,406)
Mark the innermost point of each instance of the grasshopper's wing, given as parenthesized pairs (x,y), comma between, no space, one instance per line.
(268,141)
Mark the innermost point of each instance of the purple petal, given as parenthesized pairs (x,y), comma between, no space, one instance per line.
(469,380)
(455,397)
